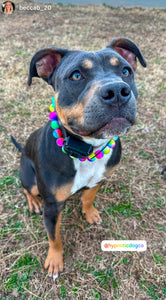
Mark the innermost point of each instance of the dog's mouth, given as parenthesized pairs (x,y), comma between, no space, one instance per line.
(116,127)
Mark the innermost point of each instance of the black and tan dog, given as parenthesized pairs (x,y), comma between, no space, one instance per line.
(95,98)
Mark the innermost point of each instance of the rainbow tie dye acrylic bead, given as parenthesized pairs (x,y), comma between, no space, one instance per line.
(57,133)
(100,152)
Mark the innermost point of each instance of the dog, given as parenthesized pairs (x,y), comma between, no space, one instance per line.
(94,104)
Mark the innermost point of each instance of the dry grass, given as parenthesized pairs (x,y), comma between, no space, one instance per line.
(131,202)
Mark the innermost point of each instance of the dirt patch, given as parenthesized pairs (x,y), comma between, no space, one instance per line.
(132,202)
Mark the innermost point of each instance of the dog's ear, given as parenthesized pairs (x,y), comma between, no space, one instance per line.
(44,62)
(128,50)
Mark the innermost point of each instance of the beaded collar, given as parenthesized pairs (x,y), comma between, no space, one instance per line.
(57,133)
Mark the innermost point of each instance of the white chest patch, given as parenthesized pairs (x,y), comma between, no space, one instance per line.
(89,173)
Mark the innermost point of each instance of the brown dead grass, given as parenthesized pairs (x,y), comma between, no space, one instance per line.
(138,180)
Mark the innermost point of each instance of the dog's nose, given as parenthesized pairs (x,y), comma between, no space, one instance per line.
(113,93)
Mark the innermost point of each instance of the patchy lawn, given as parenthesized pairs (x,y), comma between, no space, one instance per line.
(131,202)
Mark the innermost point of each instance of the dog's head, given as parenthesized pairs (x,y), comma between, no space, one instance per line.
(95,92)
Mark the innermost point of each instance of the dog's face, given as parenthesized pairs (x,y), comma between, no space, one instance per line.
(95,92)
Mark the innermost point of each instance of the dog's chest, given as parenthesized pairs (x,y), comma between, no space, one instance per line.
(88,173)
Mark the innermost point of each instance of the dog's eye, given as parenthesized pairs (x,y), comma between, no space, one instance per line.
(76,76)
(126,72)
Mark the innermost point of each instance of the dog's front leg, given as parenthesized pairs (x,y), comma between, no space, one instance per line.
(54,260)
(91,213)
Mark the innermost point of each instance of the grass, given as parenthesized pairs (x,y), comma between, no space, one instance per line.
(22,273)
(131,202)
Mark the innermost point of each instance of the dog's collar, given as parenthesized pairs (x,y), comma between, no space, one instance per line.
(74,147)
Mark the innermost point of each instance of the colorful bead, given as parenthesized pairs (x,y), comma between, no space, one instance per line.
(111,144)
(99,154)
(106,150)
(53,102)
(53,116)
(82,159)
(60,142)
(54,125)
(115,138)
(63,150)
(51,108)
(91,159)
(57,133)
(91,156)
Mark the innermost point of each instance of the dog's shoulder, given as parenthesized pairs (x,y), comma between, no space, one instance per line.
(31,146)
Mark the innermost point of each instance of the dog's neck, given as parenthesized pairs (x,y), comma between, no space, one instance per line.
(86,148)
(96,143)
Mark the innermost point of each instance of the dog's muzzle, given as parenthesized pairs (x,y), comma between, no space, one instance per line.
(116,93)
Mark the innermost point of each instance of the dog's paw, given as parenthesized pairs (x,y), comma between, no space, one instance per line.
(35,203)
(54,263)
(92,215)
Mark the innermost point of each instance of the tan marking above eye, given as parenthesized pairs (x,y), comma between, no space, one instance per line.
(114,61)
(87,64)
